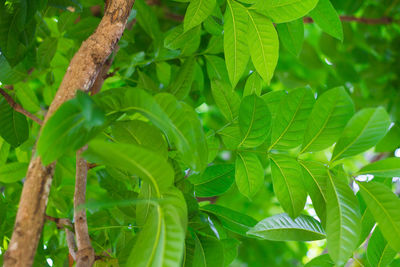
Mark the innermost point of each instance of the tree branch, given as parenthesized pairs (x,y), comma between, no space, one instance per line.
(370,21)
(80,75)
(66,224)
(85,254)
(17,107)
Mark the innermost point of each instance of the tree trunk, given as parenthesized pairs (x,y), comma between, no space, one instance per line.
(80,75)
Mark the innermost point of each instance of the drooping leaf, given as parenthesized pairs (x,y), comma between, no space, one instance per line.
(263,44)
(291,35)
(329,116)
(379,253)
(383,204)
(180,87)
(232,220)
(291,120)
(287,179)
(249,174)
(235,45)
(254,121)
(215,180)
(362,132)
(253,85)
(13,125)
(326,17)
(13,172)
(389,167)
(137,160)
(282,227)
(226,99)
(197,12)
(285,10)
(73,124)
(342,218)
(315,178)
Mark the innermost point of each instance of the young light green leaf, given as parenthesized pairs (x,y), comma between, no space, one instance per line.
(291,35)
(13,172)
(249,173)
(231,136)
(326,17)
(287,179)
(273,99)
(213,145)
(46,52)
(176,38)
(315,177)
(285,10)
(226,99)
(27,97)
(216,68)
(367,219)
(291,120)
(140,133)
(362,132)
(215,180)
(389,167)
(263,44)
(321,261)
(282,227)
(235,45)
(253,85)
(391,141)
(379,253)
(329,116)
(137,160)
(232,220)
(342,218)
(384,205)
(13,125)
(204,251)
(180,87)
(197,12)
(254,121)
(163,70)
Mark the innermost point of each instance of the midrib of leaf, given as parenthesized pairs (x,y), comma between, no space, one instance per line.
(227,218)
(355,139)
(319,131)
(195,13)
(298,229)
(381,206)
(227,101)
(289,124)
(312,176)
(251,124)
(247,171)
(383,253)
(214,178)
(234,41)
(259,38)
(339,207)
(286,182)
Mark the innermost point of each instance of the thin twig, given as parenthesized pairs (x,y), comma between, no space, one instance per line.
(85,254)
(67,225)
(17,107)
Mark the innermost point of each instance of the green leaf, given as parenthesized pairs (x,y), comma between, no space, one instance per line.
(231,136)
(176,38)
(137,160)
(140,133)
(292,35)
(326,17)
(147,19)
(379,253)
(13,125)
(389,167)
(46,51)
(146,82)
(27,97)
(213,145)
(254,121)
(235,45)
(215,180)
(4,151)
(291,120)
(273,99)
(367,219)
(232,220)
(285,10)
(263,44)
(197,12)
(288,184)
(342,218)
(253,85)
(315,178)
(180,87)
(391,141)
(13,172)
(384,205)
(321,261)
(216,68)
(73,124)
(329,116)
(282,227)
(163,70)
(205,252)
(362,132)
(226,99)
(249,174)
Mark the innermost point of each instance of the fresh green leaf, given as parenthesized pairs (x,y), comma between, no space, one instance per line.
(321,261)
(180,87)
(13,172)
(391,141)
(389,167)
(216,68)
(249,174)
(326,17)
(253,85)
(291,35)
(13,125)
(226,99)
(176,38)
(197,12)
(379,253)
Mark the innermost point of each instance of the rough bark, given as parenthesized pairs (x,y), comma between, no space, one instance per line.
(80,75)
(85,254)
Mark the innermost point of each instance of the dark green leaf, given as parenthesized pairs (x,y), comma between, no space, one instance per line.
(13,125)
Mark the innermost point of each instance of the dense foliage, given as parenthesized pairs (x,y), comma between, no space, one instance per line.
(224,131)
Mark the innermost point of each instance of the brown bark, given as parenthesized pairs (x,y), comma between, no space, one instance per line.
(85,254)
(80,75)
